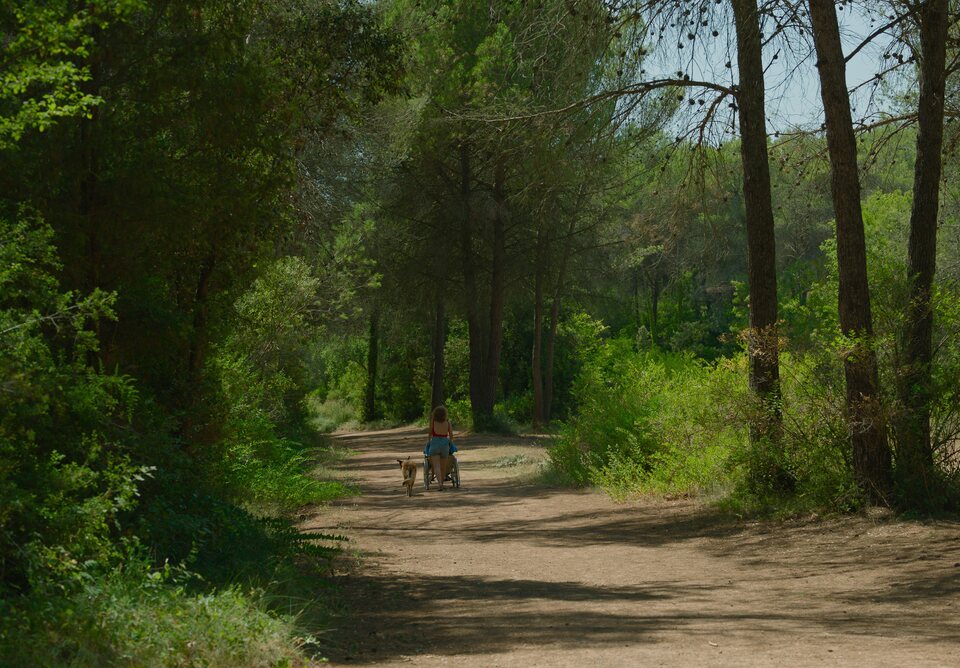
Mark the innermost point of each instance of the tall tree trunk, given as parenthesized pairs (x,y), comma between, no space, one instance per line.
(555,317)
(437,394)
(497,295)
(197,352)
(198,337)
(90,221)
(548,357)
(470,292)
(373,355)
(90,165)
(535,361)
(655,289)
(871,453)
(763,344)
(88,198)
(915,453)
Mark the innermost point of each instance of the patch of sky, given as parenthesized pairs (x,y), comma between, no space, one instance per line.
(701,45)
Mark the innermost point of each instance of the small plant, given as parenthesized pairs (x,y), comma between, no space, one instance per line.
(512,461)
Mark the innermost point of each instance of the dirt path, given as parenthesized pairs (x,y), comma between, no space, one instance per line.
(503,573)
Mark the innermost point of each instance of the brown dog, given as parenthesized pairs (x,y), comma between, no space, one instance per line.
(409,470)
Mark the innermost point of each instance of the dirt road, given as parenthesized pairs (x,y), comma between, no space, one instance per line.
(505,573)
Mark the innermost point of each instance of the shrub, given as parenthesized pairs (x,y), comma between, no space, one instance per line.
(350,386)
(652,422)
(461,415)
(259,369)
(617,396)
(518,408)
(814,378)
(501,422)
(142,617)
(65,474)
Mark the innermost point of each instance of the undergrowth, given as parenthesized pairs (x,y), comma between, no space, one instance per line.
(100,493)
(250,592)
(657,423)
(134,615)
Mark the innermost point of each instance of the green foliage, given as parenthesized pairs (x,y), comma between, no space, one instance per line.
(68,486)
(456,358)
(816,450)
(460,414)
(133,615)
(64,475)
(516,407)
(348,388)
(43,60)
(160,142)
(650,421)
(813,326)
(500,422)
(327,416)
(261,369)
(226,220)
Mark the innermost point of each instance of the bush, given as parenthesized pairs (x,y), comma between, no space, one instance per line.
(142,617)
(260,370)
(649,421)
(65,474)
(501,422)
(516,409)
(814,378)
(652,422)
(461,415)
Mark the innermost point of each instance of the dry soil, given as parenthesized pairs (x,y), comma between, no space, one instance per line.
(503,572)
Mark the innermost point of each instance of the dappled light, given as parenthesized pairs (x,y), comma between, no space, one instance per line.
(524,573)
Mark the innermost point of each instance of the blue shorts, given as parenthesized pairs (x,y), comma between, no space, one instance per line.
(438,445)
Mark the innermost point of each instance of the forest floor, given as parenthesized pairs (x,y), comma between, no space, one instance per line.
(503,572)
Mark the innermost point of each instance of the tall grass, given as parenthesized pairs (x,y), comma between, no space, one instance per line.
(134,616)
(330,414)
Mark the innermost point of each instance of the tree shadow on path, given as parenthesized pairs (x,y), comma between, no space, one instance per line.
(852,577)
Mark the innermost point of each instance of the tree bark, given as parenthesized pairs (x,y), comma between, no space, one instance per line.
(89,178)
(763,340)
(198,337)
(655,289)
(470,292)
(555,321)
(373,355)
(497,296)
(871,453)
(88,198)
(535,361)
(437,394)
(548,358)
(915,453)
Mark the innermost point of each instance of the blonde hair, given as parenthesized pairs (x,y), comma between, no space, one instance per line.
(439,414)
